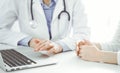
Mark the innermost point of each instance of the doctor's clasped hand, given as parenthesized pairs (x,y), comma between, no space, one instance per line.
(45,45)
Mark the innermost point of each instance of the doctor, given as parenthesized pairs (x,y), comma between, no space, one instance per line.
(50,25)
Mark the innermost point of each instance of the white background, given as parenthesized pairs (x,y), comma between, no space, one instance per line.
(103,18)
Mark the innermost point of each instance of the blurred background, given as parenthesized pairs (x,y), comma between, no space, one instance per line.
(103,18)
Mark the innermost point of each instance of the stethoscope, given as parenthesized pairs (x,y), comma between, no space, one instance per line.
(34,24)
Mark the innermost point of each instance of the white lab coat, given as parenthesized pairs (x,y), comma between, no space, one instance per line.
(12,10)
(114,45)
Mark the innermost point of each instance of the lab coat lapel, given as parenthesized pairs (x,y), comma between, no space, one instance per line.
(40,16)
(54,23)
(37,6)
(59,7)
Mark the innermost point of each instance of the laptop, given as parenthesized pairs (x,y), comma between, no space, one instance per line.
(23,58)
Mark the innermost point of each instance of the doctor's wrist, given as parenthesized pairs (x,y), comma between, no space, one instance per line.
(58,47)
(24,41)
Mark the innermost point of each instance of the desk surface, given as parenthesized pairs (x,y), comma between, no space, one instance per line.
(70,63)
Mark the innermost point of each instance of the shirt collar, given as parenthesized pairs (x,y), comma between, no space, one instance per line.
(41,1)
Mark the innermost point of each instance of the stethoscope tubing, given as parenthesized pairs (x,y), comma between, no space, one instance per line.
(63,11)
(31,10)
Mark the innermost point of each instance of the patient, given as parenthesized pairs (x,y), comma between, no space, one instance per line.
(101,52)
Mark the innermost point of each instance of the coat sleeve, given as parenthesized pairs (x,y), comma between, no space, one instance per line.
(113,45)
(79,24)
(8,15)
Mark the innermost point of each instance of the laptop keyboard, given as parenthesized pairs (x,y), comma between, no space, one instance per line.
(13,58)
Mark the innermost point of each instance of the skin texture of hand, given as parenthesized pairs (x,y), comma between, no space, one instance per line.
(81,43)
(35,42)
(90,53)
(45,45)
(49,46)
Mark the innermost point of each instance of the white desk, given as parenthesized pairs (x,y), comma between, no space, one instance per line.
(70,63)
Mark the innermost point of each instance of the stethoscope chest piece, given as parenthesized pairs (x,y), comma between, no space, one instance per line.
(33,24)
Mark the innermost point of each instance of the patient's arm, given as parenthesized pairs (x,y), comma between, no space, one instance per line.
(92,53)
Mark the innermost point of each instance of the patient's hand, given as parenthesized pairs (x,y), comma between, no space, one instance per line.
(90,53)
(82,43)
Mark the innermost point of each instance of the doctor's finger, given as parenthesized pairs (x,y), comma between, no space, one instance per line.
(44,47)
(38,46)
(41,44)
(52,51)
